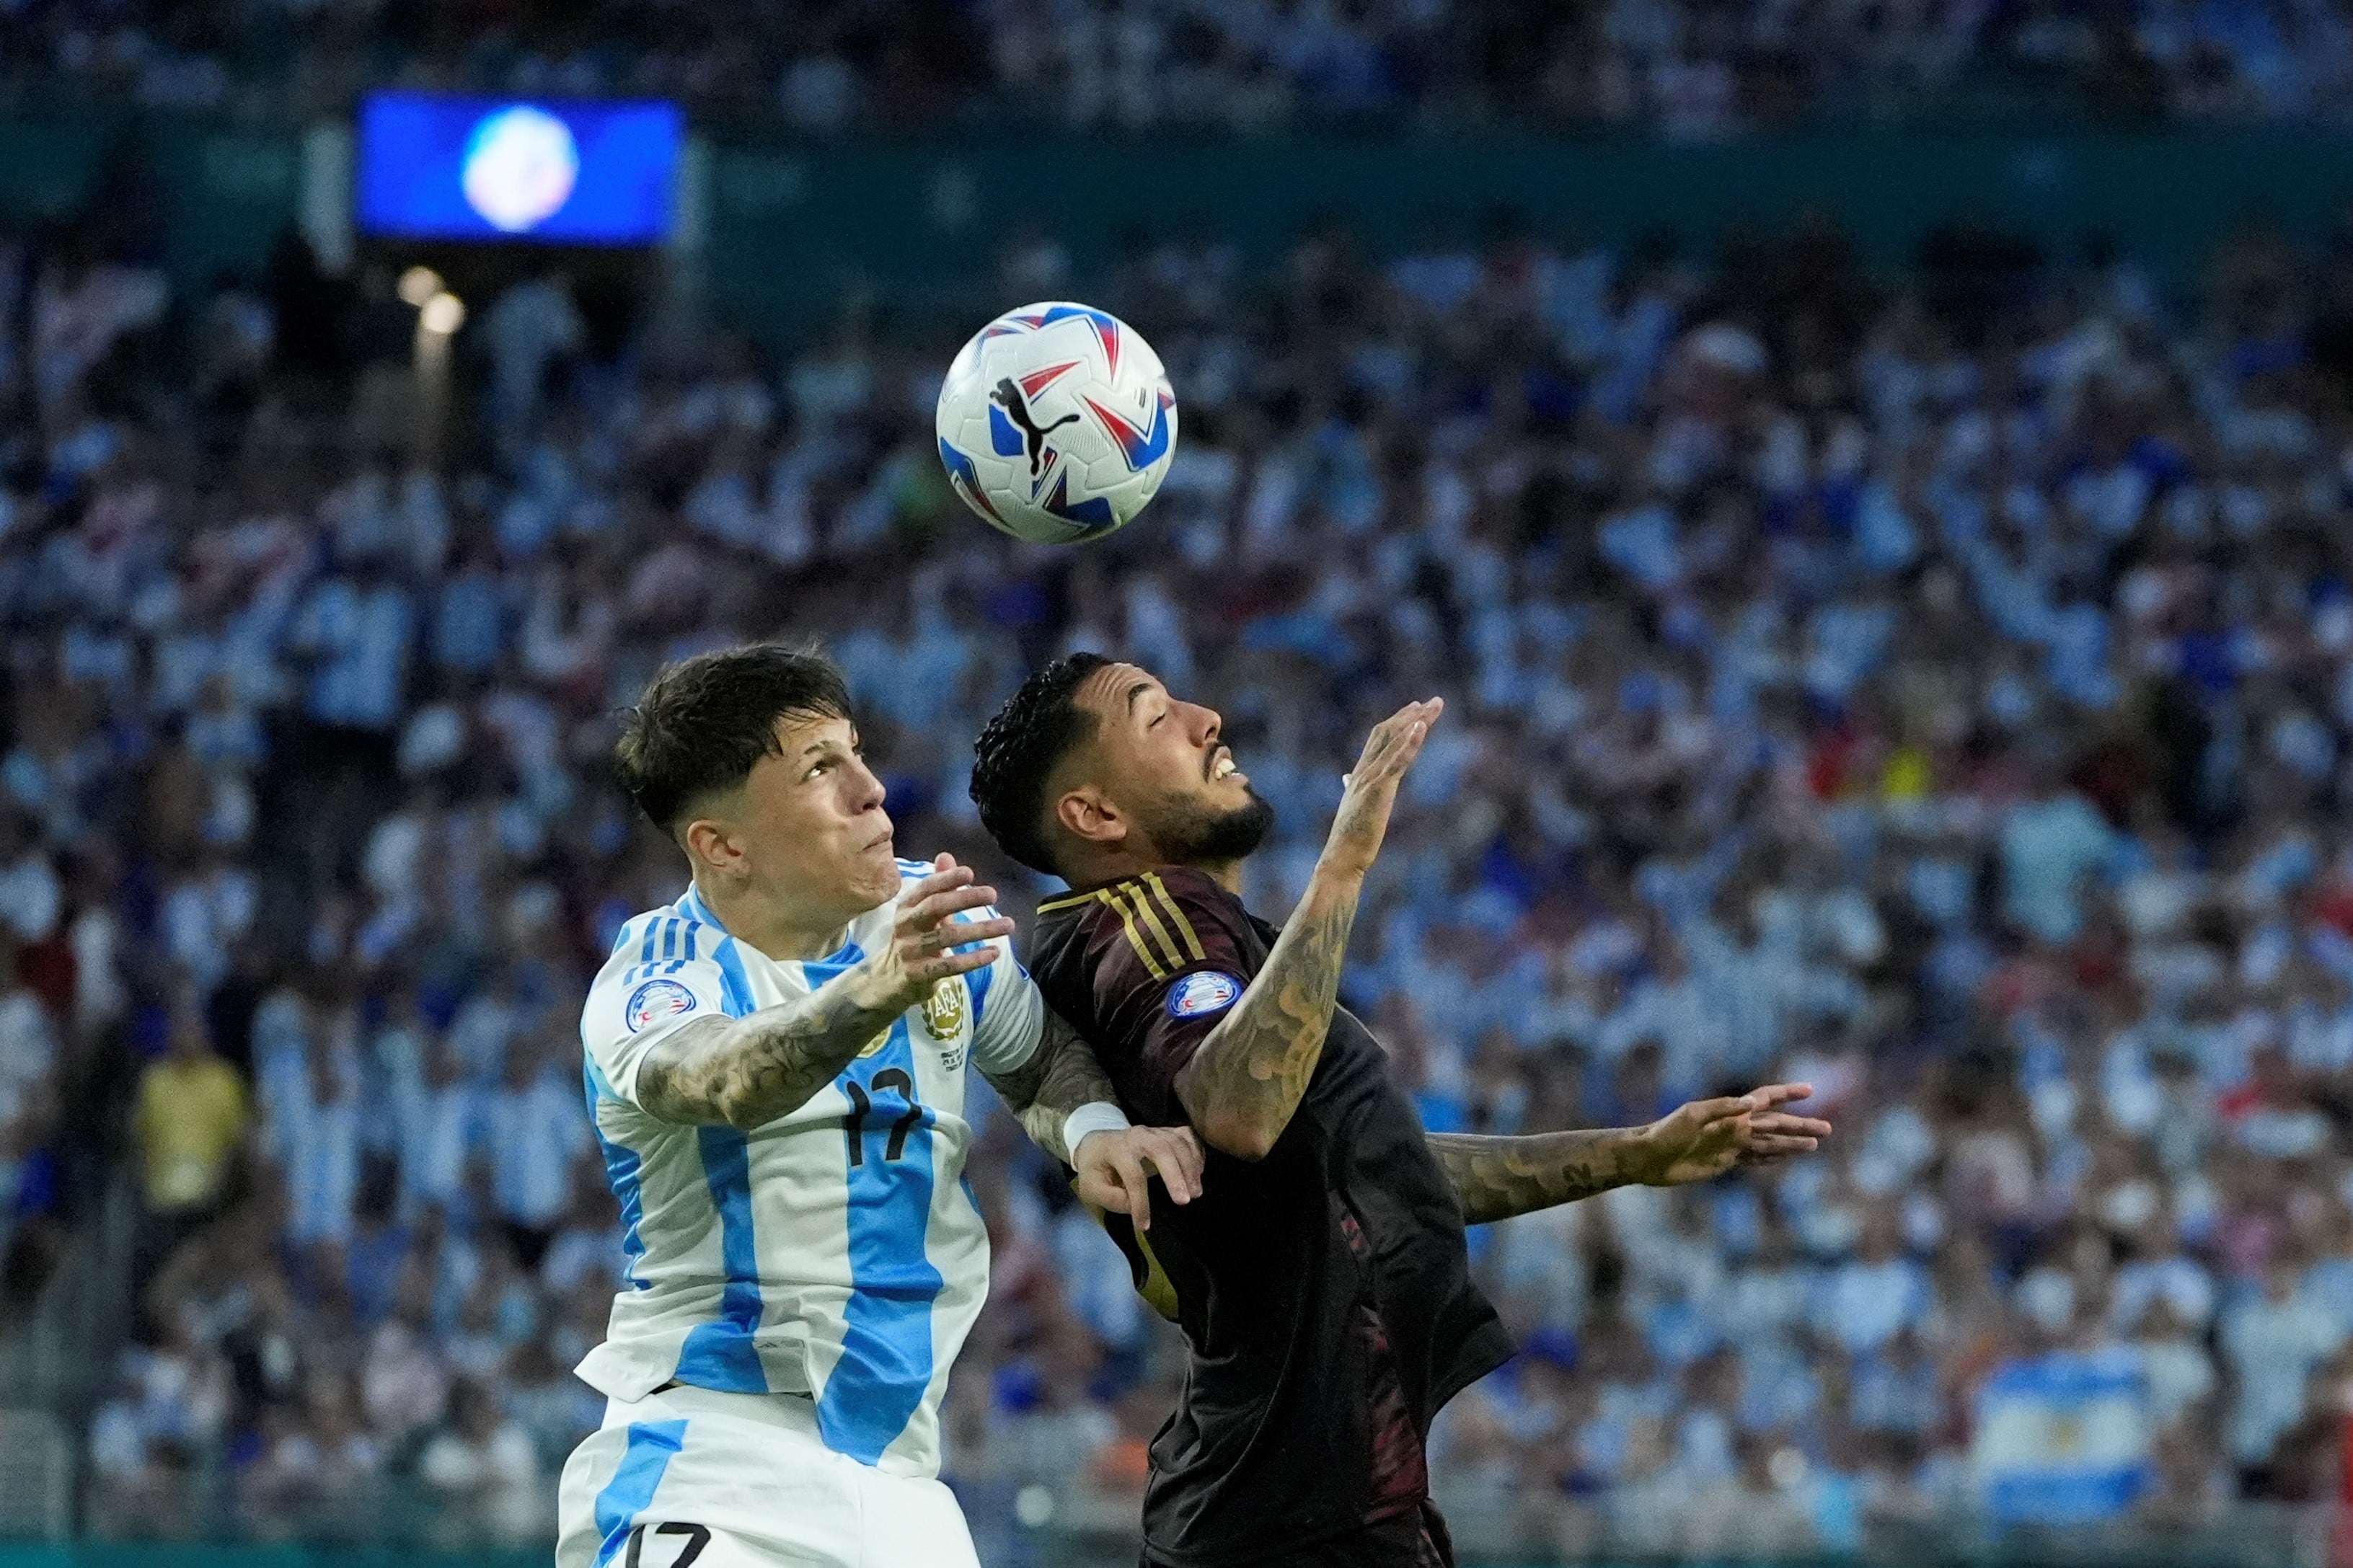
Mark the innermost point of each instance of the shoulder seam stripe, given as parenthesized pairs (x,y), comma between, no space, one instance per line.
(1134,939)
(1141,898)
(1192,942)
(1134,902)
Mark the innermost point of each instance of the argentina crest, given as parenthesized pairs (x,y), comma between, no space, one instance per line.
(943,1009)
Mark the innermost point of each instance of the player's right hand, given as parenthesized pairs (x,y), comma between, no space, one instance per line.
(928,943)
(1701,1141)
(1115,1169)
(1355,841)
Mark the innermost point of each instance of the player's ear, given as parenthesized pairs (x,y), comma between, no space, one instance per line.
(711,846)
(1086,814)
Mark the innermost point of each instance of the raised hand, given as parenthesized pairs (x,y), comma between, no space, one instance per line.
(1363,819)
(928,943)
(746,1072)
(1705,1137)
(1242,1084)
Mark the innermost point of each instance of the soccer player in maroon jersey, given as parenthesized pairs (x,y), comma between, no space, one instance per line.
(1320,1279)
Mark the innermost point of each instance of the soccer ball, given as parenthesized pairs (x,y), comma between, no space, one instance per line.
(1056,423)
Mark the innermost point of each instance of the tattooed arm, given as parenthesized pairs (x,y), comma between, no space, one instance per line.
(1113,1165)
(1499,1177)
(1250,1072)
(743,1072)
(1061,1075)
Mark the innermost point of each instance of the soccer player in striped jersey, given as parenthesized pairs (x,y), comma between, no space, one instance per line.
(775,1069)
(1322,1280)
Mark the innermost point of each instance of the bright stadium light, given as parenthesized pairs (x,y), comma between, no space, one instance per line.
(418,285)
(444,314)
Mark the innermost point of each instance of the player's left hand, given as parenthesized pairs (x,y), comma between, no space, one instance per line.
(1705,1137)
(1115,1169)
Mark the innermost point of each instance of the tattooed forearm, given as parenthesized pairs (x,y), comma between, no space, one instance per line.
(746,1072)
(1499,1177)
(1252,1071)
(1250,1074)
(750,1071)
(1058,1077)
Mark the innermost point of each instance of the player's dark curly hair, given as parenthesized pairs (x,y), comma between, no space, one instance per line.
(1018,752)
(704,723)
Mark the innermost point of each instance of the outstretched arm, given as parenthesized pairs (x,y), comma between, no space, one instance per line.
(743,1072)
(1247,1077)
(1499,1177)
(1114,1161)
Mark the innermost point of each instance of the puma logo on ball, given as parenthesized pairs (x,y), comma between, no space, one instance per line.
(1009,397)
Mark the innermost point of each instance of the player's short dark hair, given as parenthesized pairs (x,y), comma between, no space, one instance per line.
(704,723)
(1019,750)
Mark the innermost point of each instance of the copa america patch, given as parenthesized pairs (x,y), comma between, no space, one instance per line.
(655,1001)
(1202,992)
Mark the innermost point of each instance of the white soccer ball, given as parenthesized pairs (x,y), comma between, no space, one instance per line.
(1056,423)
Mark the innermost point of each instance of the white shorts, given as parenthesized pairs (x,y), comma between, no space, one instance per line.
(692,1478)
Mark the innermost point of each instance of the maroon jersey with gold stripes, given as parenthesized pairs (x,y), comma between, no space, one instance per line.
(1324,1291)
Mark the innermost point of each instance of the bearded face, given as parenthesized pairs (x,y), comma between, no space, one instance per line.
(1192,831)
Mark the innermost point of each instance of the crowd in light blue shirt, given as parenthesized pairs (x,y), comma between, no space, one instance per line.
(1831,695)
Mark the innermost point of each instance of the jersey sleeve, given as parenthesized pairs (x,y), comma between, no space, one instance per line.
(1007,1013)
(1175,968)
(664,975)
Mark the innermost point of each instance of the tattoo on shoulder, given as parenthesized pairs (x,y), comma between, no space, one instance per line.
(1252,1072)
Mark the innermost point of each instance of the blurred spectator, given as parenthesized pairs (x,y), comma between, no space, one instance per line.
(316,1470)
(190,1124)
(534,1128)
(487,1474)
(2274,1341)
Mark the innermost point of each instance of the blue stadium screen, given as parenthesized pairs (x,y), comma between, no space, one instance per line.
(437,167)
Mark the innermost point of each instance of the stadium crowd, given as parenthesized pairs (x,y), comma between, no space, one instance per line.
(1689,68)
(1937,692)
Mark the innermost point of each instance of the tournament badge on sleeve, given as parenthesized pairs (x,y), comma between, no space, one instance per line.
(655,1002)
(1202,992)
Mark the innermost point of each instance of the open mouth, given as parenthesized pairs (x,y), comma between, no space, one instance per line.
(1221,765)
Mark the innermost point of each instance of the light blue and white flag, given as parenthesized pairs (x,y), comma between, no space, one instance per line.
(2063,1439)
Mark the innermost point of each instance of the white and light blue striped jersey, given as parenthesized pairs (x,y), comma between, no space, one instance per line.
(835,1252)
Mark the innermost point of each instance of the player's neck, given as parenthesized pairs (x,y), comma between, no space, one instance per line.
(787,934)
(1227,874)
(1117,868)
